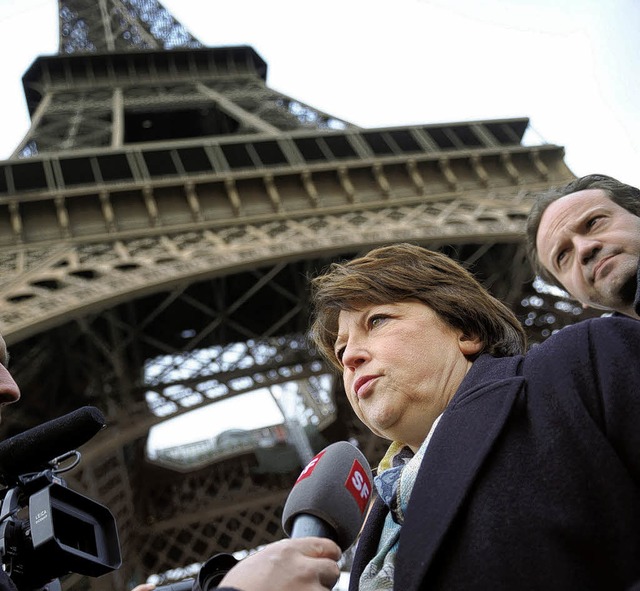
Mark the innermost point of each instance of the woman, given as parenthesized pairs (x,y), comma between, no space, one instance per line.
(505,471)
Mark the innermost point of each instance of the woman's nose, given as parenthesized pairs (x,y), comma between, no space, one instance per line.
(354,355)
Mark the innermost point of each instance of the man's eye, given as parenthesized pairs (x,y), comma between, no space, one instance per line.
(593,221)
(561,256)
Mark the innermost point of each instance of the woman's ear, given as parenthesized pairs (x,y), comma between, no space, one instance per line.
(470,345)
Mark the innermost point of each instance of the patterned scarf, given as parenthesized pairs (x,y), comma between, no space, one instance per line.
(395,479)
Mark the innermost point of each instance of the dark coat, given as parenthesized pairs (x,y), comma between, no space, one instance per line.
(532,478)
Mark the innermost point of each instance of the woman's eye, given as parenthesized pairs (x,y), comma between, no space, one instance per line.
(377,320)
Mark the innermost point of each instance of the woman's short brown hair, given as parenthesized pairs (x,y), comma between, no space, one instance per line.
(402,272)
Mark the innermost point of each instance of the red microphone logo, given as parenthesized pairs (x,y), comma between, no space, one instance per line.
(358,484)
(308,470)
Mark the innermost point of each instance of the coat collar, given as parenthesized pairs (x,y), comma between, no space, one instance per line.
(468,428)
(368,542)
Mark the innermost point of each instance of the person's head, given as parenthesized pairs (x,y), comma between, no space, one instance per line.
(585,238)
(9,391)
(404,324)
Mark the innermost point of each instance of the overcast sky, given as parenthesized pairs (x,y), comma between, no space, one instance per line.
(570,66)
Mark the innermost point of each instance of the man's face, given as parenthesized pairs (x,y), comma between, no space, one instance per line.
(591,246)
(9,391)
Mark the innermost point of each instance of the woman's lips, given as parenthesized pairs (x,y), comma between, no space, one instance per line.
(363,385)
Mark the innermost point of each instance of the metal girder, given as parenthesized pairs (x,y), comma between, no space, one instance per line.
(123,25)
(311,210)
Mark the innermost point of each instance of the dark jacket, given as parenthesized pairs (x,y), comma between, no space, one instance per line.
(532,478)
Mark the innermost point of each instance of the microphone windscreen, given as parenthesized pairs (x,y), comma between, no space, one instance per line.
(31,450)
(335,487)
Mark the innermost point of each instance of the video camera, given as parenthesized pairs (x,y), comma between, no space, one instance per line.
(48,530)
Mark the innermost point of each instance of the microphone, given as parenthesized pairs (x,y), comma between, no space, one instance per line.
(330,497)
(31,450)
(329,500)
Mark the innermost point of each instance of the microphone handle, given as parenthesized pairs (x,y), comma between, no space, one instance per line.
(305,525)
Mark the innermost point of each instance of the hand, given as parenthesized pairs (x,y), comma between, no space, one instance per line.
(144,587)
(303,564)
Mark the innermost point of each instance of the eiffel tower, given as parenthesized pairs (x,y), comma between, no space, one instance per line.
(159,222)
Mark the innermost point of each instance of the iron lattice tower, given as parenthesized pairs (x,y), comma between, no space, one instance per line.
(165,209)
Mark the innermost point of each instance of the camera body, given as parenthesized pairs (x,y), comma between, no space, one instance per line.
(48,530)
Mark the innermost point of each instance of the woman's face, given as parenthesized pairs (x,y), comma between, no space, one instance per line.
(401,365)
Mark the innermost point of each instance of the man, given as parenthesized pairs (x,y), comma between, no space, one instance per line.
(10,393)
(585,238)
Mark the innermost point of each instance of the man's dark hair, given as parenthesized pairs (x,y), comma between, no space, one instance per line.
(624,195)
